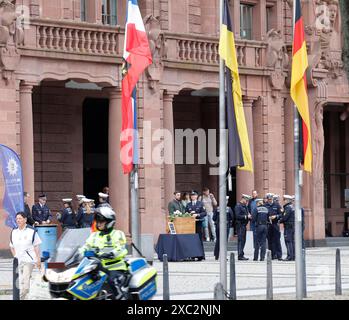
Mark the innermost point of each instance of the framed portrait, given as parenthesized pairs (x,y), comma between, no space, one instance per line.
(172,228)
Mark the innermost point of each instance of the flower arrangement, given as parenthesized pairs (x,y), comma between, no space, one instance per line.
(178,214)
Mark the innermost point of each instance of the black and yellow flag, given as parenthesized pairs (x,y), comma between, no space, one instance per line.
(239,145)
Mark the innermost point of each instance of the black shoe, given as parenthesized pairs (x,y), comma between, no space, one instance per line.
(255,259)
(280,259)
(261,260)
(243,259)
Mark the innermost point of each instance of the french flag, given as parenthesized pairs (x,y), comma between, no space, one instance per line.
(137,57)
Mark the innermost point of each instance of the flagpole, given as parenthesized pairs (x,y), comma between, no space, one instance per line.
(222,169)
(298,215)
(134,211)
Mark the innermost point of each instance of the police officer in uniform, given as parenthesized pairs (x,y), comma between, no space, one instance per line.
(86,214)
(242,217)
(260,216)
(110,247)
(288,220)
(274,234)
(67,217)
(41,212)
(103,200)
(215,218)
(197,209)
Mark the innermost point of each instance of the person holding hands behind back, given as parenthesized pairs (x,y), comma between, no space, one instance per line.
(196,209)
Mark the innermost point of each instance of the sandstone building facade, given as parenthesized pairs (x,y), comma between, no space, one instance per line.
(60,98)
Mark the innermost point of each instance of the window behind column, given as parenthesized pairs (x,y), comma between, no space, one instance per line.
(109,14)
(83,10)
(246,16)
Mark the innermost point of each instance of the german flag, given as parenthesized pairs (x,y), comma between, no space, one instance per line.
(239,145)
(299,92)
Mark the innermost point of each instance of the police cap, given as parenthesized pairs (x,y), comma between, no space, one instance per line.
(246,196)
(103,195)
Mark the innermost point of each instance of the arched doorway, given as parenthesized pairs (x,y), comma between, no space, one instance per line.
(198,111)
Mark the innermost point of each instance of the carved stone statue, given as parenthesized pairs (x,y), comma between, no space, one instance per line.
(277,58)
(11,35)
(326,52)
(157,47)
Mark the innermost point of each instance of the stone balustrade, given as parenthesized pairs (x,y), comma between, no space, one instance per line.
(93,39)
(204,50)
(72,37)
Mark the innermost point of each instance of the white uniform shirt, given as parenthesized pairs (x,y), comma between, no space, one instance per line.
(24,241)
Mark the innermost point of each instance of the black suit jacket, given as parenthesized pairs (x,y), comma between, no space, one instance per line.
(198,208)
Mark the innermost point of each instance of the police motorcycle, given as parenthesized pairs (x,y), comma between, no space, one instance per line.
(87,279)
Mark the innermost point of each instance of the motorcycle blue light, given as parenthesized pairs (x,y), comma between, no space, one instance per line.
(89,254)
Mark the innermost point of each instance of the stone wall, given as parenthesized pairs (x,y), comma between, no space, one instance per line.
(57,118)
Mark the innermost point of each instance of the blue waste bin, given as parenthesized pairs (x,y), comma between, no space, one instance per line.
(48,236)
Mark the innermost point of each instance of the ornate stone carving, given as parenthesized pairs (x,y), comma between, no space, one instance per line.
(318,147)
(277,59)
(11,35)
(158,49)
(326,51)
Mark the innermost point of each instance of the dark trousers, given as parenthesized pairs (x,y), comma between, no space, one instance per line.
(289,241)
(241,239)
(216,247)
(274,241)
(198,228)
(253,228)
(261,243)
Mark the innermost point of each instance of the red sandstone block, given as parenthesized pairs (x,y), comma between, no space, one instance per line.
(195,10)
(57,177)
(57,186)
(56,147)
(55,157)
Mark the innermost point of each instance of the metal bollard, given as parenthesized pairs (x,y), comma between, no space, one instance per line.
(269,277)
(166,280)
(15,280)
(304,275)
(219,292)
(232,277)
(338,273)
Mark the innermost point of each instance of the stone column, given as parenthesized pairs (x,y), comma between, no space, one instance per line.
(27,138)
(169,169)
(245,179)
(118,182)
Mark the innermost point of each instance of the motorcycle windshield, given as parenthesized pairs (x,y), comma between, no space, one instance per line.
(70,241)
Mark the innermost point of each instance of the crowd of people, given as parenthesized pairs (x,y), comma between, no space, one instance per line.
(263,215)
(68,217)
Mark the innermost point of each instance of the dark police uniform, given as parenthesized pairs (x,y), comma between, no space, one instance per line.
(68,219)
(274,234)
(104,204)
(241,216)
(30,220)
(288,221)
(83,219)
(41,213)
(215,218)
(260,217)
(199,208)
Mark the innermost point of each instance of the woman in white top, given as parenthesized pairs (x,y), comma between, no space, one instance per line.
(25,246)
